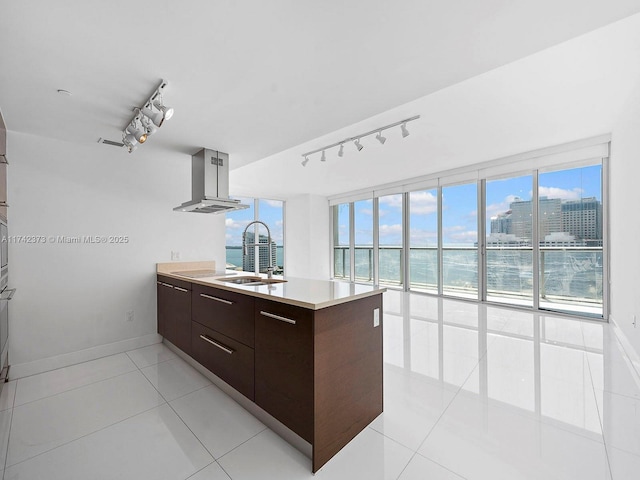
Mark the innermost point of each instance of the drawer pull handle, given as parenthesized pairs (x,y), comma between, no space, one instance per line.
(278,317)
(222,300)
(165,284)
(219,345)
(180,289)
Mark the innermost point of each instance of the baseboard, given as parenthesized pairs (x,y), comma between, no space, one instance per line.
(627,348)
(67,359)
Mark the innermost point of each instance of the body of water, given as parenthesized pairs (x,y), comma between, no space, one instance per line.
(234,256)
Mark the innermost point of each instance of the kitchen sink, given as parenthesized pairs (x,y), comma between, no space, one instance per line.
(250,281)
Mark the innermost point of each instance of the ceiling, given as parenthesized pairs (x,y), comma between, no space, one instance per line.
(254,78)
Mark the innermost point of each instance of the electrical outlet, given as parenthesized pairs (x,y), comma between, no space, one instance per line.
(175,255)
(130,316)
(376,317)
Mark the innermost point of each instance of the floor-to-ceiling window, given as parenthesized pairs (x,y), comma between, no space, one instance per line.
(235,223)
(460,240)
(509,246)
(271,212)
(570,230)
(423,240)
(529,233)
(363,240)
(341,233)
(391,251)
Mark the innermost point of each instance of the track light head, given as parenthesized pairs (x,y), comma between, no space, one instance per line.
(405,132)
(305,161)
(323,158)
(341,151)
(380,138)
(148,125)
(155,117)
(139,133)
(167,112)
(358,144)
(129,139)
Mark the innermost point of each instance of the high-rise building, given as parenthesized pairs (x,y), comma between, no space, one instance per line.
(248,260)
(501,223)
(583,218)
(549,218)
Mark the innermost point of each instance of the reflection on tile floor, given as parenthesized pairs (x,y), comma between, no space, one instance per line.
(471,392)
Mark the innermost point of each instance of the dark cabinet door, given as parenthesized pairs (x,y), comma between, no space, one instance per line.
(226,312)
(225,357)
(284,364)
(174,312)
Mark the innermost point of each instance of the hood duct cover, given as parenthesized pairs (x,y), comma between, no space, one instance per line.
(210,184)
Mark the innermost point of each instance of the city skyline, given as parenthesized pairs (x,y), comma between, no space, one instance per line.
(460,207)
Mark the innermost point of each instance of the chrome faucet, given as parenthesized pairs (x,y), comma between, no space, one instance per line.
(258,244)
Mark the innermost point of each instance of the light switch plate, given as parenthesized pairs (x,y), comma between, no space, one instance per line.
(376,317)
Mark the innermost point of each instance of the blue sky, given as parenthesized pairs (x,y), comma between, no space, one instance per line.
(270,212)
(460,207)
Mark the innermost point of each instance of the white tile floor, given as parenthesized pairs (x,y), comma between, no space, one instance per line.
(471,392)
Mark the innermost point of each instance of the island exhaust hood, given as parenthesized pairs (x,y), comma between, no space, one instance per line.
(210,184)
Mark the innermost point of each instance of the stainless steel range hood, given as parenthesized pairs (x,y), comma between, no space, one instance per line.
(210,184)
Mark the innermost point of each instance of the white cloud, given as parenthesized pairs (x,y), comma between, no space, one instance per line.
(423,202)
(233,224)
(393,201)
(561,193)
(390,234)
(272,203)
(496,208)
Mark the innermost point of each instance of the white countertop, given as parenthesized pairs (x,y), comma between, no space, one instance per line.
(302,292)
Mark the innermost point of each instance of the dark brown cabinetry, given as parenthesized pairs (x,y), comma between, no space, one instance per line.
(226,312)
(284,364)
(223,336)
(318,372)
(174,312)
(229,359)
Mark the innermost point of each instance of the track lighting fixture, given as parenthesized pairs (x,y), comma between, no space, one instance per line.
(167,112)
(357,138)
(139,134)
(147,119)
(148,125)
(130,146)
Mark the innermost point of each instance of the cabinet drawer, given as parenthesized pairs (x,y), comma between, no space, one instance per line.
(226,312)
(174,282)
(284,364)
(228,359)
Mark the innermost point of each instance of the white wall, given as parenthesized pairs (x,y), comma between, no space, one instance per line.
(307,230)
(72,297)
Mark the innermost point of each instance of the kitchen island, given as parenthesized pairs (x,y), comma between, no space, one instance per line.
(304,356)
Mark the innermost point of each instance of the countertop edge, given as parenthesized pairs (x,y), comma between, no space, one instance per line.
(211,282)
